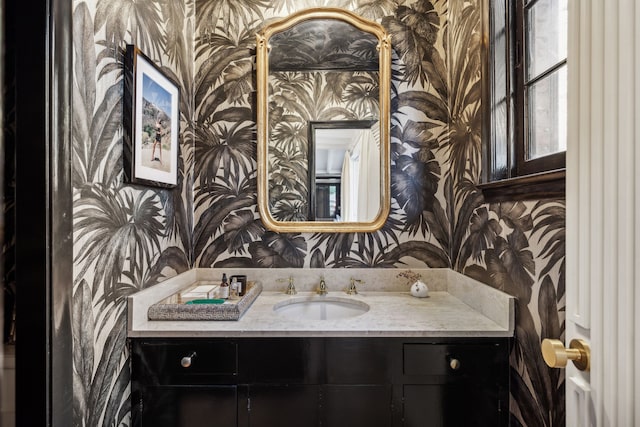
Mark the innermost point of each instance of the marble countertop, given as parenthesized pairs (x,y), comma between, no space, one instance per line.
(456,307)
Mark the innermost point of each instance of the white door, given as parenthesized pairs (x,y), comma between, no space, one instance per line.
(603,206)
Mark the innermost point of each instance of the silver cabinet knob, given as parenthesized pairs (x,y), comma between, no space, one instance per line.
(454,364)
(185,362)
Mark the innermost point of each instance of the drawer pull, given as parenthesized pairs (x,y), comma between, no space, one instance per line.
(186,361)
(454,364)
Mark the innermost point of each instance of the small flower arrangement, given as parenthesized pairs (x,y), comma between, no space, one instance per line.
(411,276)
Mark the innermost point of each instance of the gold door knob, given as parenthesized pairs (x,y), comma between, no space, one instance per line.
(556,356)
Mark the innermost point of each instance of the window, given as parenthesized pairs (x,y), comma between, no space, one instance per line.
(526,98)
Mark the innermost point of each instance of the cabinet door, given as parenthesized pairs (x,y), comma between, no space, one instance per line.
(188,406)
(271,405)
(452,405)
(357,405)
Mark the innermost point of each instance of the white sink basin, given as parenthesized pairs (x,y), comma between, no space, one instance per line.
(320,308)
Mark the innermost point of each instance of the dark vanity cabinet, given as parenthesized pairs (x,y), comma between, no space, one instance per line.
(351,382)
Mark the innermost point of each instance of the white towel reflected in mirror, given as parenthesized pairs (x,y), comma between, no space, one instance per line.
(360,182)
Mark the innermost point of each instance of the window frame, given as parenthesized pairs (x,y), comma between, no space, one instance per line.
(518,178)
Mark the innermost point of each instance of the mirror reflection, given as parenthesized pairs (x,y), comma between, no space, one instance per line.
(342,185)
(323,44)
(323,122)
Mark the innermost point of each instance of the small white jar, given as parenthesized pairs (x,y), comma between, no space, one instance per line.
(419,289)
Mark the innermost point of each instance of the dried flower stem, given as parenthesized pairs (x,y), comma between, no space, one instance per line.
(411,276)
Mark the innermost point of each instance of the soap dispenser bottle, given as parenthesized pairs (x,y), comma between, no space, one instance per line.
(224,287)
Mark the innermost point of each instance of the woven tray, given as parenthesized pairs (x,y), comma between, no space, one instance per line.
(230,310)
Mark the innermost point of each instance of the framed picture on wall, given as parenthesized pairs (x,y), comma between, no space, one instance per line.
(151,122)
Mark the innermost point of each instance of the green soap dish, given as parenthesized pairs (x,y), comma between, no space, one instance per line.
(206,301)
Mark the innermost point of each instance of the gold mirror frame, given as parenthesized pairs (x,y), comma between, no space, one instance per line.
(262,67)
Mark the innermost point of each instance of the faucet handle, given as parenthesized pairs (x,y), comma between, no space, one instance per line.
(322,289)
(352,286)
(291,289)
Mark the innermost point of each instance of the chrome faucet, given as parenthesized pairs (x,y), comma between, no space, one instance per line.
(291,290)
(322,289)
(351,290)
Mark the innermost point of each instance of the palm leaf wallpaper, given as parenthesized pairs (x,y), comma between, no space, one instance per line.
(128,238)
(125,238)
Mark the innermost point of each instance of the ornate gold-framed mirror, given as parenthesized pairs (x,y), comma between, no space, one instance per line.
(321,70)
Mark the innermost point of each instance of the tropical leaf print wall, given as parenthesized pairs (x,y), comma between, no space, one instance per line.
(519,248)
(128,238)
(125,237)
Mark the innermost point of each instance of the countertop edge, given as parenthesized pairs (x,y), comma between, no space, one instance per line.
(329,334)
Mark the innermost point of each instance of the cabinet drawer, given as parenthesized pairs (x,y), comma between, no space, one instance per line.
(167,363)
(452,359)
